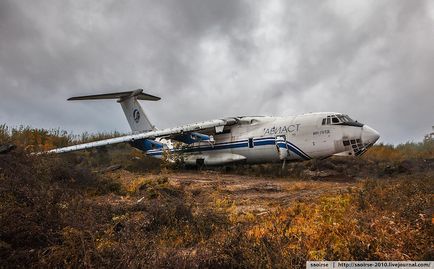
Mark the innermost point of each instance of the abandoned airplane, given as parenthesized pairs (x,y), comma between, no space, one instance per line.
(258,139)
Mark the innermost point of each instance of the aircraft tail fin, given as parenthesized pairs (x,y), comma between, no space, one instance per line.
(134,113)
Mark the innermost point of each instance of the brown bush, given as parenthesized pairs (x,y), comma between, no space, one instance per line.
(383,220)
(56,211)
(50,218)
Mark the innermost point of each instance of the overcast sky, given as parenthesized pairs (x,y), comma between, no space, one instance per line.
(206,59)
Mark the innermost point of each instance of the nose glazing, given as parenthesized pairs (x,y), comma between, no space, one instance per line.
(369,135)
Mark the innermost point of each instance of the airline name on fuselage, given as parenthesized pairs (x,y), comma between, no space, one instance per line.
(282,129)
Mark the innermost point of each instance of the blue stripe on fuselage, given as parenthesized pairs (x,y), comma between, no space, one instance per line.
(265,141)
(297,151)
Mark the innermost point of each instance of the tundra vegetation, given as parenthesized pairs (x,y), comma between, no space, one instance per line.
(116,208)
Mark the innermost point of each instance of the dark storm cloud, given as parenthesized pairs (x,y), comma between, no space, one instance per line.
(209,59)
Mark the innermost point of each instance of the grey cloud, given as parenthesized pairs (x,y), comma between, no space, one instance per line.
(210,59)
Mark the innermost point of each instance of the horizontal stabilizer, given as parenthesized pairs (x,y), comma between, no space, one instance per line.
(139,94)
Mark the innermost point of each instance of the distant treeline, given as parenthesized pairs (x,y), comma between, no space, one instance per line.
(39,139)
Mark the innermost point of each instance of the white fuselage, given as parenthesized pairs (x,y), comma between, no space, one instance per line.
(274,139)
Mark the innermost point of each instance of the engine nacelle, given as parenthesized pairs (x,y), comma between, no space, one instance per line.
(190,138)
(147,144)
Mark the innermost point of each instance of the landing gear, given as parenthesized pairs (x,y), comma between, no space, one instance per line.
(200,164)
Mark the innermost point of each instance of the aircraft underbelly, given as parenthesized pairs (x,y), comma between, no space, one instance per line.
(226,156)
(219,157)
(261,154)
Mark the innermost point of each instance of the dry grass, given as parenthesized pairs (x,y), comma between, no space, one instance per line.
(57,215)
(422,150)
(56,211)
(382,220)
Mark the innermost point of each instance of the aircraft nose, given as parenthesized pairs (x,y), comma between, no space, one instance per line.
(369,135)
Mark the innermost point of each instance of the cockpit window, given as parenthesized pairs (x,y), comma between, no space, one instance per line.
(345,118)
(340,119)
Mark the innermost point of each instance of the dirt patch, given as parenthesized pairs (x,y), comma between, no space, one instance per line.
(248,194)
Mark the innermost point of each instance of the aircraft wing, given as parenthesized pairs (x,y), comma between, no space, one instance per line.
(150,135)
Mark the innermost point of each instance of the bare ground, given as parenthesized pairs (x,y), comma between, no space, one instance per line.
(248,194)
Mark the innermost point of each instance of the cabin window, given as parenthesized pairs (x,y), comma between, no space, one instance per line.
(335,120)
(323,121)
(251,143)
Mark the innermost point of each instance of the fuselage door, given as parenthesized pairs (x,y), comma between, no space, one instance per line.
(282,147)
(250,142)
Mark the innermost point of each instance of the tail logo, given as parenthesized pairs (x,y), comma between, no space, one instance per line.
(136,115)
